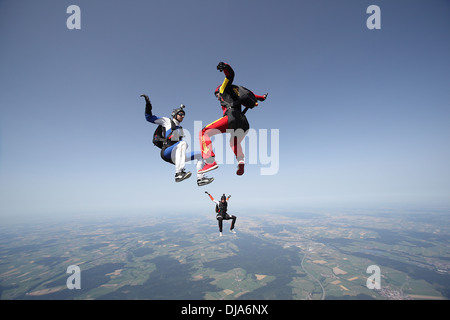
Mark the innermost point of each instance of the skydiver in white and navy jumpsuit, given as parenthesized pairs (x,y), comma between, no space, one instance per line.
(174,150)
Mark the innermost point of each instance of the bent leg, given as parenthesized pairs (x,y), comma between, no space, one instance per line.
(196,155)
(179,155)
(220,221)
(166,154)
(233,222)
(216,127)
(235,143)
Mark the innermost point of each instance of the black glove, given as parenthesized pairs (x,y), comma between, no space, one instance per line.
(207,193)
(146,98)
(148,104)
(229,196)
(221,66)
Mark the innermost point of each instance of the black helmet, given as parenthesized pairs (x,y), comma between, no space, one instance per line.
(217,89)
(223,197)
(178,111)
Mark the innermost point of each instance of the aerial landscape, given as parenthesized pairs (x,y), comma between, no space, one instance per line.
(282,256)
(125,123)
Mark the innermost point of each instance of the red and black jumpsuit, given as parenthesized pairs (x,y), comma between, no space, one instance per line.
(233,117)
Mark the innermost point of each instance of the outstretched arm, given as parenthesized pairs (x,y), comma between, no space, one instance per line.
(210,196)
(261,98)
(148,111)
(229,75)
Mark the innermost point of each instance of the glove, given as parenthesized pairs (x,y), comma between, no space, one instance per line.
(229,196)
(207,193)
(148,104)
(221,66)
(146,98)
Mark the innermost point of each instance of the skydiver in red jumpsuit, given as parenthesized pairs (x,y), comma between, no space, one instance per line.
(233,118)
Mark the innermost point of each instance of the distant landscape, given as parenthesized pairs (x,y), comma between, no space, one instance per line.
(290,255)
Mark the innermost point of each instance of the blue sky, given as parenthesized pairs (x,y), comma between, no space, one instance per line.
(363,115)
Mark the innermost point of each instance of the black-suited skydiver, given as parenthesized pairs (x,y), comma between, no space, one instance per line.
(221,210)
(169,137)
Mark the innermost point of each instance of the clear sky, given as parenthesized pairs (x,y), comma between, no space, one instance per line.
(362,115)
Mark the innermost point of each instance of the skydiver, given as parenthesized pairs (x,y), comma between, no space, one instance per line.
(173,148)
(233,118)
(221,210)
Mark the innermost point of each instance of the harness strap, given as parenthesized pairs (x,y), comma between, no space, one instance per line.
(173,127)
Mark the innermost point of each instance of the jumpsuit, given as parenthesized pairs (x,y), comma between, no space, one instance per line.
(233,118)
(222,214)
(175,150)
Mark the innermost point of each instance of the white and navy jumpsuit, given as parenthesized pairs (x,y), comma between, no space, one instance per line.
(175,150)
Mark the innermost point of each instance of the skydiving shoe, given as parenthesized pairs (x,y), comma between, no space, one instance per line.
(182,175)
(232,231)
(204,181)
(208,167)
(220,234)
(240,170)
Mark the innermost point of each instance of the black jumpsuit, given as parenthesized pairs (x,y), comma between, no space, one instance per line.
(222,214)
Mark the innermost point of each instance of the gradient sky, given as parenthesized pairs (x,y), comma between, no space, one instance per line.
(363,115)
